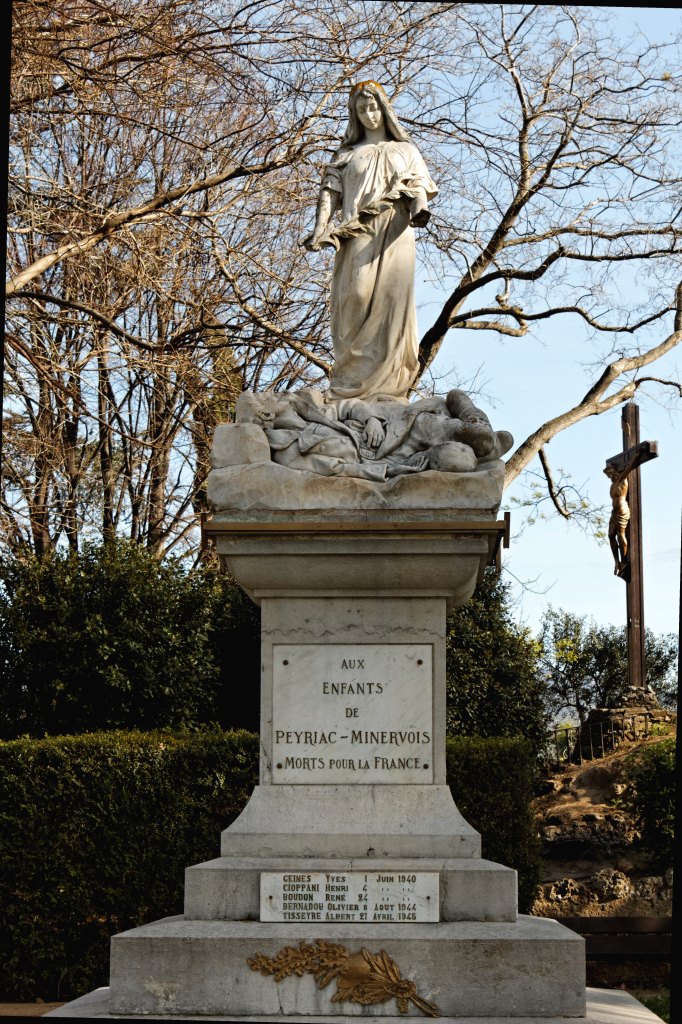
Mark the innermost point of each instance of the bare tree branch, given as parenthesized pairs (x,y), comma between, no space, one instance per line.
(554,493)
(597,399)
(127,218)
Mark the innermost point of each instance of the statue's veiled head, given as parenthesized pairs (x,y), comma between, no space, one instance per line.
(361,93)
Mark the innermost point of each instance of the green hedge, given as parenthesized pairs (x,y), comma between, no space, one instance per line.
(493,782)
(114,638)
(96,831)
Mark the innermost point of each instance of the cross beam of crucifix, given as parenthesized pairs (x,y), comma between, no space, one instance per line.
(625,532)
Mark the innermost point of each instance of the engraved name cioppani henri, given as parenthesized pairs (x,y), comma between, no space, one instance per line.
(352,713)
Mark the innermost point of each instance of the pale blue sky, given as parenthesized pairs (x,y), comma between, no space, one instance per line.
(533,378)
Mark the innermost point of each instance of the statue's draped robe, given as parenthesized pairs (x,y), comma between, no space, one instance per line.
(373,317)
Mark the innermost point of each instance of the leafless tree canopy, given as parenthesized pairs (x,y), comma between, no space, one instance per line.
(165,159)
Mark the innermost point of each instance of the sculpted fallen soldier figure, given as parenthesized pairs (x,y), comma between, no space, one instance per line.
(373,439)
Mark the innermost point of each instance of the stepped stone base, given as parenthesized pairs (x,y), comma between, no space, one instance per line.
(228,889)
(603,1006)
(382,591)
(532,968)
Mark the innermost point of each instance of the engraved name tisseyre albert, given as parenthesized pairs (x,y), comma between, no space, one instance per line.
(352,713)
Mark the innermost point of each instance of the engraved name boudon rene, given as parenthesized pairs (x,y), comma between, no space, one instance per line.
(352,713)
(365,897)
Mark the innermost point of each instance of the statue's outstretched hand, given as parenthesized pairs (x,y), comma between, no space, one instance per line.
(419,211)
(418,461)
(312,241)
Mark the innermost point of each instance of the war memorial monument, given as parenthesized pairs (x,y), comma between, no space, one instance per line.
(351,886)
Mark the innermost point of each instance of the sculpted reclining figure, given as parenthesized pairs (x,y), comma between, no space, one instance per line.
(373,439)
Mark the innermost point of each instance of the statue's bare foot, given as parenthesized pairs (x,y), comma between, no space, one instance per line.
(502,444)
(478,436)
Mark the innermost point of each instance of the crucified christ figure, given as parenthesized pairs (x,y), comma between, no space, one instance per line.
(617,469)
(620,517)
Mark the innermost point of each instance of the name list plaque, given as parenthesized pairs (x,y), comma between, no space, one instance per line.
(395,896)
(352,713)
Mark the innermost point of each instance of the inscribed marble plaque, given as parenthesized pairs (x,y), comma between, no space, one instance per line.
(352,713)
(396,896)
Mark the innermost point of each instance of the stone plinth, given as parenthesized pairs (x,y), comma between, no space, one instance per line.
(351,821)
(352,786)
(244,480)
(603,1006)
(333,592)
(368,556)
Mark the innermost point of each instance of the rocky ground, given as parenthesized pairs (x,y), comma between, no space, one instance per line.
(593,862)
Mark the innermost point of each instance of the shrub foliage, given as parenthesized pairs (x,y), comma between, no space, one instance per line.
(493,685)
(113,638)
(97,830)
(492,782)
(96,833)
(650,794)
(585,665)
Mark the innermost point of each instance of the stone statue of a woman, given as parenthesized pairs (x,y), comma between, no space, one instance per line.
(379,182)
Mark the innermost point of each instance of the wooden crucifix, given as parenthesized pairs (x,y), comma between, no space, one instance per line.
(625,532)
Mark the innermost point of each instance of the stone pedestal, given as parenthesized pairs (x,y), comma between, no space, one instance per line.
(350,885)
(351,863)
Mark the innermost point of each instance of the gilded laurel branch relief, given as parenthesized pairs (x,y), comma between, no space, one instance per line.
(363,977)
